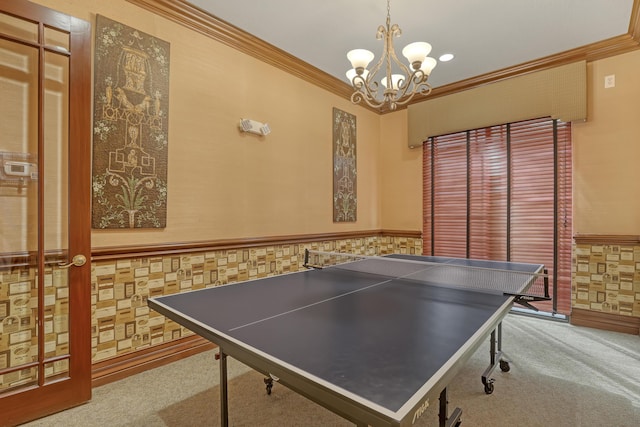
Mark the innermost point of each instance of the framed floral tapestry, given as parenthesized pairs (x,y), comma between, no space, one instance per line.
(345,200)
(130,134)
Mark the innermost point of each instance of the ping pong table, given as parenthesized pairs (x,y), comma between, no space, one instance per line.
(375,340)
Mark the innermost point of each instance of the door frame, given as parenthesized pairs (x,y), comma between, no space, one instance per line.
(39,400)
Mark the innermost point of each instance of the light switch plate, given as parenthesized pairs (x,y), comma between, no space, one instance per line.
(609,81)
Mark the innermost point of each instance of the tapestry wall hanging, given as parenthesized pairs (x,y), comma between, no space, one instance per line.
(345,201)
(130,133)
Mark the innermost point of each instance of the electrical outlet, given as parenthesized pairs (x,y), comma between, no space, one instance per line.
(609,81)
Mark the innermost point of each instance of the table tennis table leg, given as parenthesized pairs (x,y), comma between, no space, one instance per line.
(495,353)
(224,409)
(443,415)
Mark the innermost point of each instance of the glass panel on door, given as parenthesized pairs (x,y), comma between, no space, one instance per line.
(18,214)
(55,216)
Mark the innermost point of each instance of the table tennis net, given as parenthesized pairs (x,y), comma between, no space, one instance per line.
(525,285)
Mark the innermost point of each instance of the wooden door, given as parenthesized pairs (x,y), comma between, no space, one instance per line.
(45,142)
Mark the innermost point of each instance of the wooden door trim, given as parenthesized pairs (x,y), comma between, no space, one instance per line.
(79,199)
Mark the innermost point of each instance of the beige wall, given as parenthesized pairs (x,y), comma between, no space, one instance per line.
(223,183)
(607,151)
(401,171)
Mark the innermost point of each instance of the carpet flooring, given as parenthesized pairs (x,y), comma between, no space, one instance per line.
(561,375)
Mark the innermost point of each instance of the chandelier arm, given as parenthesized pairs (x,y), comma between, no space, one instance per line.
(365,92)
(356,97)
(409,75)
(369,90)
(371,77)
(413,82)
(425,89)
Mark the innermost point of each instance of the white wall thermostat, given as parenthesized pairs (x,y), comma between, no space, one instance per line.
(17,168)
(22,169)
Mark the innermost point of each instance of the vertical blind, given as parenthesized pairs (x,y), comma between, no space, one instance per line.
(503,193)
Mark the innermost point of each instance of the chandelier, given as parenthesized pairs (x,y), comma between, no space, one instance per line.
(399,89)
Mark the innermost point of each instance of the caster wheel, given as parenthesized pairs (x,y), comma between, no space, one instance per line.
(269,384)
(488,387)
(504,366)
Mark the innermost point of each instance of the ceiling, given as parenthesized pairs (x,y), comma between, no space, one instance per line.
(485,36)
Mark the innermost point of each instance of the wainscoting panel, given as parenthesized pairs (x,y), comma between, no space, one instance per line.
(606,282)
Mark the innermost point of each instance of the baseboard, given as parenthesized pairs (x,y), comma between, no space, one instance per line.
(606,321)
(129,364)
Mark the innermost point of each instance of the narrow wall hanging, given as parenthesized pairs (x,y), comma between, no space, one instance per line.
(130,134)
(345,200)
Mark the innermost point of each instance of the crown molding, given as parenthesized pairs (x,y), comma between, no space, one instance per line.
(198,20)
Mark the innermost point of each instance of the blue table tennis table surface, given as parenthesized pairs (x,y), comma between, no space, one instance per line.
(374,350)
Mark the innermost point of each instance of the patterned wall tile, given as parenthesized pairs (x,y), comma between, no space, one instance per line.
(121,321)
(606,278)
